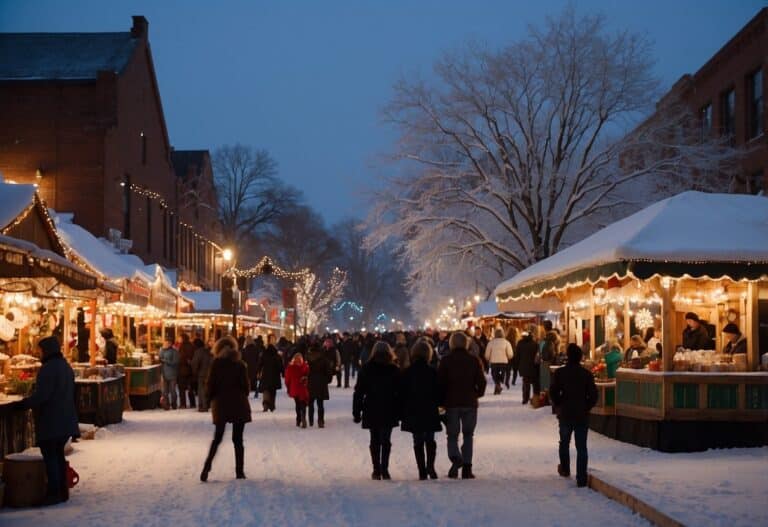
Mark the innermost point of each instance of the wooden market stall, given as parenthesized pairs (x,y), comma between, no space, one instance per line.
(520,314)
(664,268)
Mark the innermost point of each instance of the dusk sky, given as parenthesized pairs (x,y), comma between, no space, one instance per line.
(306,80)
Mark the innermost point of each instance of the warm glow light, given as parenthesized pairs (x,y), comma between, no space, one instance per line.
(450,301)
(477,298)
(227,254)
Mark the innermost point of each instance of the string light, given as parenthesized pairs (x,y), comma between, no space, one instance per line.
(267,266)
(348,303)
(644,319)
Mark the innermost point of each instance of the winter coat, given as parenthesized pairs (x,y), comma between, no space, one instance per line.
(548,347)
(348,351)
(612,362)
(526,353)
(54,400)
(334,358)
(631,351)
(573,393)
(499,351)
(376,397)
(186,352)
(110,351)
(169,358)
(251,358)
(296,380)
(228,387)
(696,339)
(201,363)
(461,379)
(319,373)
(420,397)
(739,347)
(270,368)
(403,357)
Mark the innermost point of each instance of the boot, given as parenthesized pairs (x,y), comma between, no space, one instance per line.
(431,454)
(385,450)
(311,415)
(497,389)
(208,462)
(375,460)
(466,472)
(421,463)
(563,472)
(453,472)
(304,419)
(321,423)
(239,461)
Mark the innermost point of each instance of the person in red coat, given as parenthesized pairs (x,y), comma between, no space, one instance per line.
(296,381)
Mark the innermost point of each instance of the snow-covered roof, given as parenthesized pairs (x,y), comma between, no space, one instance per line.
(205,301)
(692,227)
(13,200)
(488,308)
(98,253)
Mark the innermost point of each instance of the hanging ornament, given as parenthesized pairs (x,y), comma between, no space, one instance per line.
(644,319)
(17,318)
(7,331)
(611,320)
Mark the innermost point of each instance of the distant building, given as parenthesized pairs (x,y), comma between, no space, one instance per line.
(81,116)
(728,95)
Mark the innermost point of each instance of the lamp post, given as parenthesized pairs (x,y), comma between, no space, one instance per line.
(229,257)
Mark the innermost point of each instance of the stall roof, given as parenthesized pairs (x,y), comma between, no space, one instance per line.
(13,200)
(210,301)
(691,233)
(529,306)
(99,254)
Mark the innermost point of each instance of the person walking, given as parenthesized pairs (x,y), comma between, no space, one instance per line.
(319,373)
(296,381)
(269,369)
(511,372)
(348,353)
(376,405)
(251,355)
(201,365)
(573,394)
(526,358)
(420,397)
(401,351)
(548,349)
(228,389)
(186,380)
(169,358)
(53,400)
(461,379)
(500,353)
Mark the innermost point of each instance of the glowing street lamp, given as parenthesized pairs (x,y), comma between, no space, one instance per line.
(227,254)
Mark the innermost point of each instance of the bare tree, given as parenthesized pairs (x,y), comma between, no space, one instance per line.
(511,150)
(250,194)
(315,298)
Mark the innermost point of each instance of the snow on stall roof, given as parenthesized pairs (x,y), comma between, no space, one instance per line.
(37,252)
(205,301)
(97,252)
(691,226)
(488,308)
(13,200)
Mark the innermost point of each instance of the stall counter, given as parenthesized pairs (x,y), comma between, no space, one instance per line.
(143,384)
(17,429)
(100,401)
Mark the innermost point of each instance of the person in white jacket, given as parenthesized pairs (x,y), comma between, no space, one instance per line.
(499,352)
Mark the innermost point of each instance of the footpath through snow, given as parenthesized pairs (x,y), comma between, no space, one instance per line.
(145,472)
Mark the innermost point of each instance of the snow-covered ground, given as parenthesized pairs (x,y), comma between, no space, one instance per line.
(145,472)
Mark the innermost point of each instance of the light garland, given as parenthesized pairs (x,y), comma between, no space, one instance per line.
(267,266)
(611,320)
(352,305)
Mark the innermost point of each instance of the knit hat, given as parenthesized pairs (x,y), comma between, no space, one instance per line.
(692,316)
(50,347)
(731,329)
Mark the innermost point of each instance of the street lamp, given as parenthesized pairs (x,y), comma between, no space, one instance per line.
(229,257)
(227,254)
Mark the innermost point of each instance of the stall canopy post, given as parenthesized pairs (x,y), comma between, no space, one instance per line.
(752,331)
(667,324)
(92,349)
(592,329)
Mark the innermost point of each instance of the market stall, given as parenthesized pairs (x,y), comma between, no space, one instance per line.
(520,314)
(687,313)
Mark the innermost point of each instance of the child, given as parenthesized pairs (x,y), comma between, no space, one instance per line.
(296,383)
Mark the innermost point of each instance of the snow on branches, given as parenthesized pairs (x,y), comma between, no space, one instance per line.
(314,299)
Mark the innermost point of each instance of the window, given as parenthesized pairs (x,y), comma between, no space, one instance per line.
(143,149)
(728,112)
(705,115)
(149,225)
(756,183)
(126,184)
(755,92)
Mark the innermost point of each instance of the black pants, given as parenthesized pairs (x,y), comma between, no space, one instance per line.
(301,409)
(511,372)
(381,437)
(237,441)
(320,410)
(338,378)
(347,369)
(529,382)
(268,399)
(55,465)
(497,372)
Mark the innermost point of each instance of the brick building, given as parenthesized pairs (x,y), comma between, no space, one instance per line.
(728,95)
(81,116)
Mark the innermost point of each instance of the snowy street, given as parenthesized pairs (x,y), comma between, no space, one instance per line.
(145,472)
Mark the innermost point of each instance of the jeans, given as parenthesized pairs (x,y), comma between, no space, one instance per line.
(580,437)
(55,465)
(464,420)
(320,410)
(169,392)
(497,373)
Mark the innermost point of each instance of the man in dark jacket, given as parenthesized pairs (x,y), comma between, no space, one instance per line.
(186,381)
(461,381)
(525,355)
(695,336)
(56,422)
(251,356)
(348,353)
(573,394)
(201,364)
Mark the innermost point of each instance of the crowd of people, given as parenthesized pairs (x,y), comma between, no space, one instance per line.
(423,382)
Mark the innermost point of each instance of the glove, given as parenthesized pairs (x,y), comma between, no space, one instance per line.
(357,418)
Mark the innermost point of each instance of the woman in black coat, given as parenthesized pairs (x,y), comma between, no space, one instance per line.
(376,404)
(420,397)
(526,353)
(270,369)
(228,389)
(320,371)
